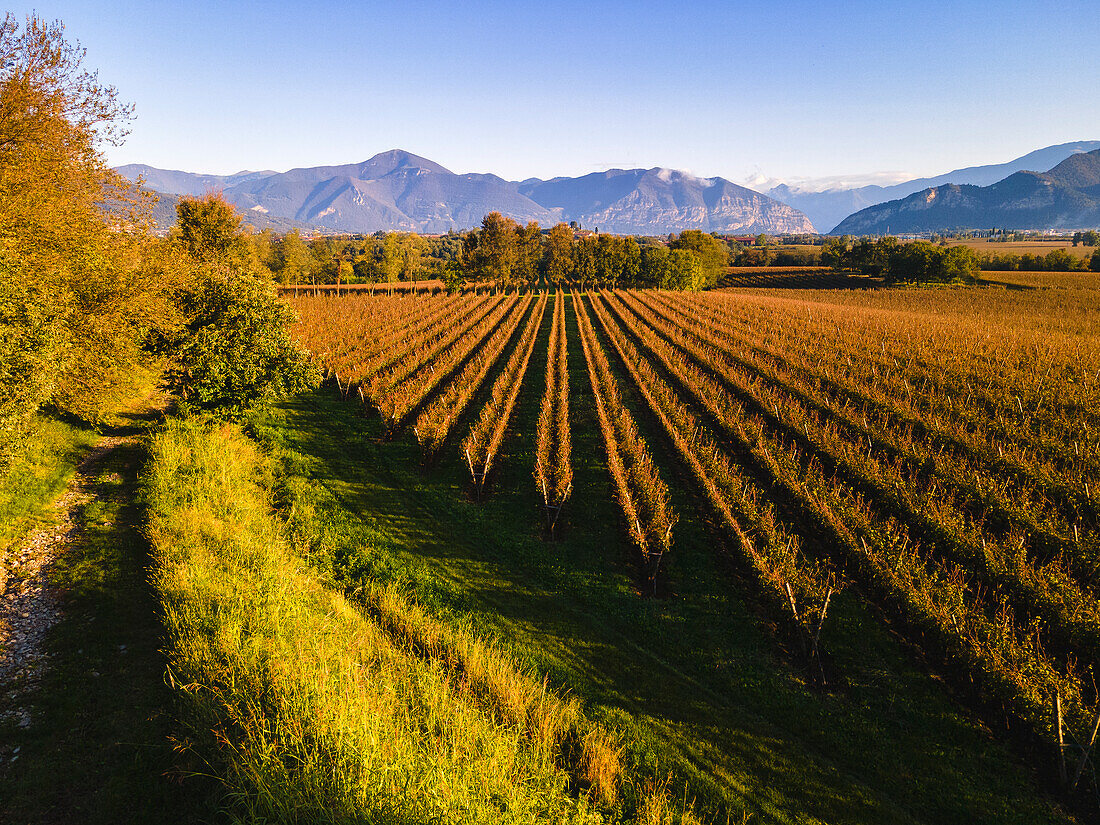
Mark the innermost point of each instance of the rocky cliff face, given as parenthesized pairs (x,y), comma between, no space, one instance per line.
(639,215)
(755,213)
(660,201)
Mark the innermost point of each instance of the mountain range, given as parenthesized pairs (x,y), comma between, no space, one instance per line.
(399,191)
(828,208)
(1065,197)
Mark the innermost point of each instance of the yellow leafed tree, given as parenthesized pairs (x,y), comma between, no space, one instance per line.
(81,282)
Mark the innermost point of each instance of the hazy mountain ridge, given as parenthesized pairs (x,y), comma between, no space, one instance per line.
(397,190)
(828,208)
(174,182)
(1065,197)
(163,214)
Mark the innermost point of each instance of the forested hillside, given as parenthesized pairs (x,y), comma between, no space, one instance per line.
(1065,197)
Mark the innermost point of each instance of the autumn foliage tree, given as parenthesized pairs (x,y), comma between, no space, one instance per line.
(296,263)
(209,230)
(80,284)
(712,255)
(584,260)
(558,260)
(528,252)
(492,252)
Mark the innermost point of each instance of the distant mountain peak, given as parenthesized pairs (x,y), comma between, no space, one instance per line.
(392,160)
(669,175)
(1080,170)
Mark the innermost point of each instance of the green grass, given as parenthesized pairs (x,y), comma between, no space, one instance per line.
(99,748)
(47,459)
(312,711)
(697,683)
(38,474)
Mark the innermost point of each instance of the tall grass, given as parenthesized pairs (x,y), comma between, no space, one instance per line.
(311,710)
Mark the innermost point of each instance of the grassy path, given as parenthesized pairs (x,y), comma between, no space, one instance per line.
(85,736)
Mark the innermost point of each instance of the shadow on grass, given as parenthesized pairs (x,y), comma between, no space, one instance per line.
(98,749)
(1007,285)
(695,683)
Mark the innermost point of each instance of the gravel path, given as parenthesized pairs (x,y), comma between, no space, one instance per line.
(28,605)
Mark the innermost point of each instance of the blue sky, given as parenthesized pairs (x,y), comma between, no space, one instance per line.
(792,90)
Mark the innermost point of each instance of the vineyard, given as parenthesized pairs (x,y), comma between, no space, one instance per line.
(893,448)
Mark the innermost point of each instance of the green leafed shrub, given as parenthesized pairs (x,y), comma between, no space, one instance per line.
(236,353)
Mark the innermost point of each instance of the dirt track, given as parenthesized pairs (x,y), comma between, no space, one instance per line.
(29,607)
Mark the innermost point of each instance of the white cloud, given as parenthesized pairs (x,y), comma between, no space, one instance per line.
(762,183)
(668,174)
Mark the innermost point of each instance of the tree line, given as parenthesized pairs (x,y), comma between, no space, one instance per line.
(929,261)
(501,252)
(1057,260)
(533,254)
(526,254)
(895,262)
(507,254)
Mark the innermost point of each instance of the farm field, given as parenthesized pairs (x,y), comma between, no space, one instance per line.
(792,544)
(1031,247)
(1089,281)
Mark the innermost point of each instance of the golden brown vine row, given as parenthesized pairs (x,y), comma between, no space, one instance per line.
(435,420)
(553,464)
(642,495)
(482,444)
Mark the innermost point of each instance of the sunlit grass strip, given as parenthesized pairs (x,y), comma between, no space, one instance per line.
(500,686)
(309,710)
